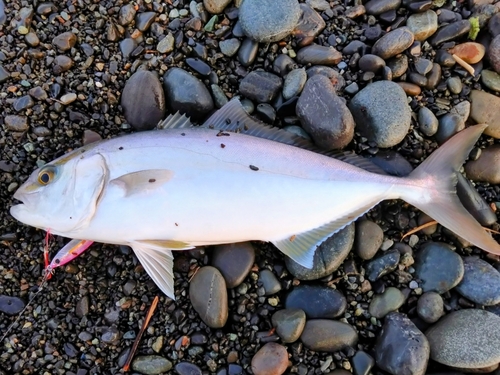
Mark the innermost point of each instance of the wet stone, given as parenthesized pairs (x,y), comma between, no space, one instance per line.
(382,304)
(377,7)
(454,85)
(449,32)
(38,93)
(485,109)
(382,265)
(198,66)
(371,63)
(449,125)
(186,368)
(428,123)
(179,86)
(260,86)
(248,52)
(143,100)
(393,43)
(326,335)
(126,14)
(229,47)
(151,364)
(294,83)
(23,103)
(430,307)
(423,25)
(266,22)
(144,20)
(271,359)
(470,52)
(269,282)
(11,305)
(381,113)
(333,75)
(401,345)
(487,167)
(316,301)
(490,79)
(289,324)
(327,257)
(398,65)
(16,123)
(467,338)
(438,267)
(494,53)
(481,282)
(353,47)
(318,55)
(64,41)
(362,363)
(208,295)
(234,261)
(474,202)
(369,238)
(423,66)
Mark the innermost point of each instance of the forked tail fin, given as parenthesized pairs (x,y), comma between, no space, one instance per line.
(437,175)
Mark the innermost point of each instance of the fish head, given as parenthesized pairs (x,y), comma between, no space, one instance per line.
(62,196)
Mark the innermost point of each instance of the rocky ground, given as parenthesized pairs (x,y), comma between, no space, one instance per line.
(388,79)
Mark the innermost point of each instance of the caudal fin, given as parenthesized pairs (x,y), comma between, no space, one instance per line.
(438,176)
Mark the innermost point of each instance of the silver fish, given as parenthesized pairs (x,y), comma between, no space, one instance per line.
(186,186)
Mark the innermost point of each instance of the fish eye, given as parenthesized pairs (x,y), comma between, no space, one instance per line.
(46,175)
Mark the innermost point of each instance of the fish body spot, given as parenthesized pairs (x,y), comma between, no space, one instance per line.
(222,145)
(253,167)
(152,180)
(120,148)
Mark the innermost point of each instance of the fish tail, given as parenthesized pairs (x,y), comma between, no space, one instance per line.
(435,194)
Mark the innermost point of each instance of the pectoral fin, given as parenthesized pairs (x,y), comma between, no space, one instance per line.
(142,181)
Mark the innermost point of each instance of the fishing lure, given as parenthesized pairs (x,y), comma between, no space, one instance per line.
(73,249)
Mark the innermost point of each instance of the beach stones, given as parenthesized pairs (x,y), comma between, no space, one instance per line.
(271,359)
(289,324)
(317,301)
(481,282)
(487,167)
(393,43)
(328,335)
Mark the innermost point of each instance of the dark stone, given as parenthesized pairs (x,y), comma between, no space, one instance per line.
(481,282)
(377,7)
(234,261)
(199,66)
(382,265)
(318,55)
(362,363)
(186,368)
(317,301)
(11,305)
(450,32)
(261,86)
(474,202)
(333,75)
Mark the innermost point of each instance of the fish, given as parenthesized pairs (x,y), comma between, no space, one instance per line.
(233,179)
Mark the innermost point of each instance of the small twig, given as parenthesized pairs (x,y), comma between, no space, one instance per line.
(415,230)
(138,338)
(464,65)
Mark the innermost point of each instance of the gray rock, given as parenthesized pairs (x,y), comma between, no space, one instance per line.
(486,167)
(266,22)
(353,47)
(289,324)
(166,45)
(229,47)
(187,368)
(369,238)
(382,304)
(449,125)
(187,94)
(474,202)
(82,307)
(382,113)
(144,20)
(10,305)
(430,307)
(371,63)
(325,335)
(466,338)
(62,64)
(423,25)
(151,364)
(4,74)
(333,75)
(318,55)
(324,115)
(3,16)
(481,282)
(393,43)
(392,162)
(16,123)
(450,32)
(208,295)
(494,53)
(127,46)
(215,6)
(316,301)
(294,83)
(438,267)
(401,348)
(310,25)
(434,77)
(362,363)
(485,109)
(428,123)
(22,103)
(462,109)
(494,25)
(454,85)
(143,100)
(234,261)
(377,7)
(489,78)
(248,52)
(398,65)
(260,86)
(126,14)
(382,265)
(269,282)
(327,258)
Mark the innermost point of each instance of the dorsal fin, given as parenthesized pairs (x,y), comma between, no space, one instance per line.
(175,121)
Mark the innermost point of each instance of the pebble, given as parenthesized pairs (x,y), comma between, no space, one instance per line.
(64,41)
(410,88)
(494,25)
(487,167)
(127,46)
(126,14)
(143,100)
(283,64)
(62,64)
(166,45)
(11,305)
(3,16)
(269,282)
(271,359)
(423,25)
(377,7)
(430,307)
(428,123)
(489,78)
(382,304)
(327,258)
(393,43)
(454,85)
(333,75)
(289,324)
(229,47)
(444,58)
(368,239)
(401,345)
(474,202)
(179,86)
(382,113)
(449,32)
(398,65)
(32,39)
(353,47)
(485,109)
(382,265)
(261,86)
(248,52)
(23,103)
(423,66)
(16,123)
(324,115)
(318,55)
(199,66)
(151,364)
(449,125)
(467,338)
(215,6)
(309,26)
(494,53)
(186,368)
(68,98)
(4,74)
(144,20)
(371,63)
(362,363)
(438,267)
(481,282)
(267,22)
(234,261)
(317,301)
(324,335)
(208,295)
(470,52)
(294,83)
(266,113)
